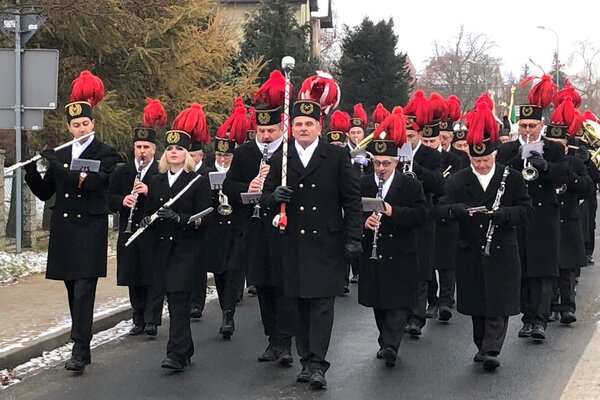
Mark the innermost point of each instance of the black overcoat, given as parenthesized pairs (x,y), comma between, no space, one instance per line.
(79,225)
(325,211)
(133,261)
(390,282)
(487,286)
(175,258)
(539,239)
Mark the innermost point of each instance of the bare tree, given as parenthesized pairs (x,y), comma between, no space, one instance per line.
(464,68)
(587,81)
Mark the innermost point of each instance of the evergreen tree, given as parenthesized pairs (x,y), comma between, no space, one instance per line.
(370,70)
(273,33)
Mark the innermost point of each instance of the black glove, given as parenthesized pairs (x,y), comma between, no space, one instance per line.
(49,154)
(282,194)
(417,169)
(459,211)
(145,221)
(352,249)
(537,161)
(30,168)
(168,214)
(500,216)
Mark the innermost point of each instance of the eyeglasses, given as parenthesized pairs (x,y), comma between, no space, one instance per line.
(385,163)
(223,155)
(530,126)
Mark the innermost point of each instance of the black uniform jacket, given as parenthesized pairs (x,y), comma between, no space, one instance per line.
(325,211)
(79,224)
(175,259)
(133,261)
(578,187)
(487,286)
(390,281)
(539,240)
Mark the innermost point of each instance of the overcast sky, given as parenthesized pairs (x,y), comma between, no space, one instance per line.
(511,24)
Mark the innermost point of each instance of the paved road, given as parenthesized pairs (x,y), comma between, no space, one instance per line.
(437,366)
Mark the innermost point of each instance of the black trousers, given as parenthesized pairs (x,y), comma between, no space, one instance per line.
(227,284)
(351,265)
(489,334)
(81,294)
(147,304)
(199,294)
(563,296)
(315,322)
(391,327)
(536,299)
(593,206)
(417,313)
(278,313)
(447,278)
(180,346)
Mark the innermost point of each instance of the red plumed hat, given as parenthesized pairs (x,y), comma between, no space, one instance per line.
(418,106)
(481,125)
(154,115)
(439,106)
(394,126)
(564,112)
(568,90)
(339,121)
(193,121)
(577,124)
(485,97)
(453,107)
(323,89)
(234,128)
(360,116)
(541,93)
(87,87)
(589,115)
(379,114)
(272,91)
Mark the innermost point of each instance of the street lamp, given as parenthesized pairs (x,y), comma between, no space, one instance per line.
(556,55)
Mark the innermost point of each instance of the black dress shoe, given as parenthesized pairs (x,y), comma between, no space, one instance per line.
(75,364)
(196,312)
(151,329)
(379,354)
(526,330)
(346,290)
(538,332)
(354,278)
(270,354)
(478,357)
(553,316)
(390,356)
(567,317)
(317,380)
(432,311)
(490,363)
(228,325)
(414,330)
(169,363)
(444,314)
(136,330)
(285,358)
(304,375)
(252,290)
(589,259)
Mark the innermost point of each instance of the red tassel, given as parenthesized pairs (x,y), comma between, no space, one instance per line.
(577,123)
(564,113)
(379,114)
(568,90)
(234,127)
(453,107)
(485,97)
(251,120)
(479,121)
(323,89)
(589,115)
(193,121)
(87,87)
(439,106)
(154,115)
(541,93)
(394,126)
(419,106)
(359,112)
(339,121)
(272,91)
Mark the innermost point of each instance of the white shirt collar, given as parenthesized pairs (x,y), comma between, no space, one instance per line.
(484,180)
(273,146)
(198,166)
(416,148)
(306,154)
(386,184)
(78,148)
(173,177)
(220,168)
(533,141)
(144,170)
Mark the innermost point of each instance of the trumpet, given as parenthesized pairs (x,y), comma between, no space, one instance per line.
(263,161)
(407,169)
(224,208)
(529,172)
(591,133)
(135,194)
(378,214)
(446,172)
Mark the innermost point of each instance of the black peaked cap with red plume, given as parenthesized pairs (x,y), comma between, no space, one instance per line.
(154,117)
(482,130)
(390,134)
(188,126)
(86,91)
(339,125)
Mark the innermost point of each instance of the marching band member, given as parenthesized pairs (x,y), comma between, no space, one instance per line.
(388,281)
(80,212)
(487,264)
(538,240)
(127,193)
(175,259)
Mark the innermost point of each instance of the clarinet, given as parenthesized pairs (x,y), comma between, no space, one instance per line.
(265,157)
(138,177)
(378,214)
(490,232)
